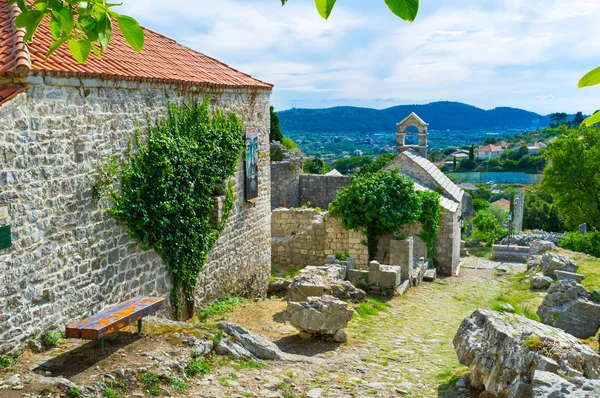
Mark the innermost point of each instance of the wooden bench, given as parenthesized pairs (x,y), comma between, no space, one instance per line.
(114,318)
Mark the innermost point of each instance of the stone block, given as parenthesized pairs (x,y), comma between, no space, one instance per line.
(402,255)
(359,278)
(562,275)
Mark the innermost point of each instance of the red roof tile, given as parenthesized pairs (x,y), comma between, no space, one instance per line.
(502,203)
(490,148)
(9,92)
(162,59)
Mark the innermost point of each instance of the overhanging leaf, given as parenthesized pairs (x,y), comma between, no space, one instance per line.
(590,79)
(80,49)
(594,119)
(133,33)
(405,9)
(67,20)
(57,44)
(55,29)
(324,7)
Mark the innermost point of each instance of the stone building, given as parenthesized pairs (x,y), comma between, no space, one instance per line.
(303,238)
(59,121)
(456,203)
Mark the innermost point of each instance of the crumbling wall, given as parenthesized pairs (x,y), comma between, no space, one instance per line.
(285,176)
(303,237)
(320,190)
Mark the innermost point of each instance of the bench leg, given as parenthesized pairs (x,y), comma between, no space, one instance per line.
(101,344)
(139,326)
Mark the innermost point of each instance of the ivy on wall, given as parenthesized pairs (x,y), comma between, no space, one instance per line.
(166,188)
(430,218)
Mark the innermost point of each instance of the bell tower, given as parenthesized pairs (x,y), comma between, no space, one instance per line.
(412,121)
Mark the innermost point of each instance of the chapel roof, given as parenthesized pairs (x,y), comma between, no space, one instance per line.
(162,60)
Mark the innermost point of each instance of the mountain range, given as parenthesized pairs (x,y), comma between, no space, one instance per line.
(440,116)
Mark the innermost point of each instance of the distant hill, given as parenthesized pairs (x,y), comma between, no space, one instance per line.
(439,115)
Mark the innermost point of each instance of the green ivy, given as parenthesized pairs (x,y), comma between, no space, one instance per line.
(431,216)
(167,187)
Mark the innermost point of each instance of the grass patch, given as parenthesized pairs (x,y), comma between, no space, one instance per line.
(52,339)
(177,383)
(483,252)
(516,292)
(74,392)
(246,364)
(221,307)
(372,307)
(588,266)
(197,366)
(151,383)
(6,361)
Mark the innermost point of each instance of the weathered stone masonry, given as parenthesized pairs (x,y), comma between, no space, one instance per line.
(68,258)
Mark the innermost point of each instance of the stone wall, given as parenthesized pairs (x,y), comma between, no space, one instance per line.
(320,190)
(68,258)
(447,245)
(303,237)
(285,175)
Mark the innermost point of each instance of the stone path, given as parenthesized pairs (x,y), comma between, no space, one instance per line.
(406,352)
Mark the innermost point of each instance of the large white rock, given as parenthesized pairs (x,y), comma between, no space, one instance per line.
(539,246)
(503,351)
(324,315)
(552,262)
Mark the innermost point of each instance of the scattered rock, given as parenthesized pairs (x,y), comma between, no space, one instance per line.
(502,349)
(461,383)
(345,290)
(527,238)
(540,282)
(539,246)
(552,262)
(508,308)
(314,393)
(35,345)
(278,286)
(340,336)
(242,342)
(320,315)
(562,275)
(310,283)
(430,275)
(569,306)
(547,384)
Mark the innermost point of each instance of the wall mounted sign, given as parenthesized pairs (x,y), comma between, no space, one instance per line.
(251,165)
(5,237)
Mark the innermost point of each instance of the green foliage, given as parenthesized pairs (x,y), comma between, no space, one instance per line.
(372,307)
(342,256)
(197,366)
(573,179)
(6,361)
(110,393)
(84,25)
(533,343)
(377,204)
(588,243)
(177,383)
(378,164)
(466,165)
(166,188)
(73,392)
(488,225)
(480,204)
(51,339)
(246,363)
(315,166)
(540,211)
(221,307)
(405,9)
(430,219)
(290,145)
(151,383)
(275,134)
(351,165)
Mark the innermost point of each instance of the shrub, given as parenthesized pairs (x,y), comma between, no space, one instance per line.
(51,339)
(589,243)
(315,166)
(197,366)
(342,256)
(290,145)
(5,361)
(480,204)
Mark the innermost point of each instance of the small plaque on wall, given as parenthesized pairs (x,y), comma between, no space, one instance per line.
(251,165)
(5,237)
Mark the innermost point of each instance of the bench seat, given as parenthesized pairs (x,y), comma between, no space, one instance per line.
(114,318)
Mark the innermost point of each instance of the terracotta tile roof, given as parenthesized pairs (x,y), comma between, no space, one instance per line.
(502,203)
(163,59)
(490,148)
(9,92)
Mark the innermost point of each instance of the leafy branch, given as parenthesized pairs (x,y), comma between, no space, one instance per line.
(592,78)
(85,26)
(405,9)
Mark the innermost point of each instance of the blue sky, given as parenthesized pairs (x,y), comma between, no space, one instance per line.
(520,53)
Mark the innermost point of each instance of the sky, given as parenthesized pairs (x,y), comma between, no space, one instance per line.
(525,54)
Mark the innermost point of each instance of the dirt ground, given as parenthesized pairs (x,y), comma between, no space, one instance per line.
(406,351)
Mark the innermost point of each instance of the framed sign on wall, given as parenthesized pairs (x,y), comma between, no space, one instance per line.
(251,165)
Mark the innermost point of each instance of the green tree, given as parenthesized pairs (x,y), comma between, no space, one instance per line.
(540,211)
(351,165)
(275,134)
(377,204)
(573,177)
(487,226)
(431,216)
(558,119)
(578,119)
(315,166)
(378,164)
(405,9)
(472,152)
